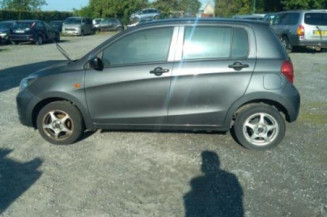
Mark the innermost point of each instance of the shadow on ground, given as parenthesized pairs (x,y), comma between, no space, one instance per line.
(11,77)
(15,178)
(215,194)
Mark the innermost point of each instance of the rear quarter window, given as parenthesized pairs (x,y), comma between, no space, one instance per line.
(215,43)
(318,19)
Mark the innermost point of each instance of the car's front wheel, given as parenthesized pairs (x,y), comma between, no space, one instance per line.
(259,127)
(60,123)
(39,40)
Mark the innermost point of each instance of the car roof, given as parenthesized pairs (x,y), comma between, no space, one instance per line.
(8,21)
(301,11)
(182,21)
(27,21)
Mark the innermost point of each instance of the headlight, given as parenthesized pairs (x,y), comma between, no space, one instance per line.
(3,34)
(26,82)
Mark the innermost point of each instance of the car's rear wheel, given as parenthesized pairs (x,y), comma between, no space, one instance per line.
(286,44)
(39,40)
(259,127)
(60,123)
(57,39)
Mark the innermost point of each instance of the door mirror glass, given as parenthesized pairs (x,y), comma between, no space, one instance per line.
(96,64)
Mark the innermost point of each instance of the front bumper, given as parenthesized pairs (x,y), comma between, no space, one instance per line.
(71,32)
(24,107)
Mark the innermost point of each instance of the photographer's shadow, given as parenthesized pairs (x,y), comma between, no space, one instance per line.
(216,193)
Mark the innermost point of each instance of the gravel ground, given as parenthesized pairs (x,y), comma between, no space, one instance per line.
(160,174)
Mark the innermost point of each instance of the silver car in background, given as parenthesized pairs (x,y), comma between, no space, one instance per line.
(77,26)
(302,28)
(148,13)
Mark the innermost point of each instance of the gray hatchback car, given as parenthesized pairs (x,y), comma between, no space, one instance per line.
(183,74)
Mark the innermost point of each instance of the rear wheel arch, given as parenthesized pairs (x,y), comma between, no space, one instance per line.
(238,107)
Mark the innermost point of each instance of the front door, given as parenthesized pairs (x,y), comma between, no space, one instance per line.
(134,84)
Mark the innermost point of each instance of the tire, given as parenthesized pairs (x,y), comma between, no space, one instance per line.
(259,127)
(286,44)
(57,39)
(60,123)
(39,40)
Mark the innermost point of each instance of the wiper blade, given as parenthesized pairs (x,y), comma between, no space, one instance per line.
(63,52)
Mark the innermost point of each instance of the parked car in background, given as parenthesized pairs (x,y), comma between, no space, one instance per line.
(57,25)
(96,22)
(268,18)
(302,28)
(34,31)
(5,28)
(78,26)
(112,24)
(148,13)
(138,22)
(177,74)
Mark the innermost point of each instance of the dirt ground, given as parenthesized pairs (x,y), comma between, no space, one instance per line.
(122,174)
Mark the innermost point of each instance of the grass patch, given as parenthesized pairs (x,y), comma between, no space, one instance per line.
(313,118)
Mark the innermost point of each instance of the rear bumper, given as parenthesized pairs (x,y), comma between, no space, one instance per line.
(22,38)
(297,41)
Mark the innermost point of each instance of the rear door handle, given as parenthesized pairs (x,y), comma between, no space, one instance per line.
(238,66)
(159,71)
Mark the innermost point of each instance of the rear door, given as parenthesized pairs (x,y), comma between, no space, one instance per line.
(214,70)
(315,26)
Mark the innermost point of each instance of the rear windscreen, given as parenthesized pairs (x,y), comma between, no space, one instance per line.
(317,19)
(23,25)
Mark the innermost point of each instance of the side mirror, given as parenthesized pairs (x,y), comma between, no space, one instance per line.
(96,64)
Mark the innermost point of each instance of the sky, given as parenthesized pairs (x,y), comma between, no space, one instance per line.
(68,5)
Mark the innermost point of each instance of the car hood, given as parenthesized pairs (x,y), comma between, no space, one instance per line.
(72,25)
(4,30)
(60,66)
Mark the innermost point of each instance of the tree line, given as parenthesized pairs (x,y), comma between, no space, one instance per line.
(227,8)
(124,8)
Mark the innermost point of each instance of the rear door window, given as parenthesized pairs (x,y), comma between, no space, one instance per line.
(317,19)
(215,43)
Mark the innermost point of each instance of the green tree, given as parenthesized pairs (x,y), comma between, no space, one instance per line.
(23,5)
(190,6)
(116,8)
(227,8)
(304,4)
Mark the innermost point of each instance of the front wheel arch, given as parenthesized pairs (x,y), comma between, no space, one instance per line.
(37,108)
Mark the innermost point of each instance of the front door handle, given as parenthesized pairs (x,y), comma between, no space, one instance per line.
(238,66)
(159,71)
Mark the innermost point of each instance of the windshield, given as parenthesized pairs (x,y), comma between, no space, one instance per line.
(5,25)
(317,19)
(73,21)
(23,25)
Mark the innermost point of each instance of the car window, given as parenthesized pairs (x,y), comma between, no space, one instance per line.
(39,25)
(47,27)
(207,42)
(240,44)
(319,19)
(287,19)
(141,47)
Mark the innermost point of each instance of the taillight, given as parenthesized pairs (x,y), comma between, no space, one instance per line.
(287,70)
(300,30)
